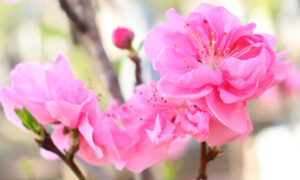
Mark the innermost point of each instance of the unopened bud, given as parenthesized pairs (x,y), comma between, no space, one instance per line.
(122,38)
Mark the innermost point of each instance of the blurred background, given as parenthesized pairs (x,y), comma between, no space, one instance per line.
(39,30)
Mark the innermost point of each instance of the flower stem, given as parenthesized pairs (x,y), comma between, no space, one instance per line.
(48,144)
(207,154)
(203,163)
(138,70)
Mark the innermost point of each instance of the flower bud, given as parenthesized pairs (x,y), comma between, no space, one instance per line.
(122,38)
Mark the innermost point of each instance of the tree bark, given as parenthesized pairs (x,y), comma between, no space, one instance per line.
(83,21)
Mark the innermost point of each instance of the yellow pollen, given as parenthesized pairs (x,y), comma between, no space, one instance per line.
(153,105)
(185,61)
(192,32)
(212,33)
(220,50)
(250,48)
(198,49)
(217,63)
(201,42)
(214,42)
(198,34)
(216,56)
(184,26)
(175,45)
(238,47)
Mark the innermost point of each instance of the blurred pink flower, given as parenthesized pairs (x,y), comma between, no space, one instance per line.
(211,55)
(122,38)
(291,84)
(53,95)
(288,88)
(11,1)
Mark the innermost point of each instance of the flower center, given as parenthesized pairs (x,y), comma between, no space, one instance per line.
(208,47)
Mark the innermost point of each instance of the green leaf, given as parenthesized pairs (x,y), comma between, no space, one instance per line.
(30,122)
(140,46)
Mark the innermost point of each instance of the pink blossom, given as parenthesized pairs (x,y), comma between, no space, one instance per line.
(212,57)
(156,126)
(154,123)
(122,38)
(53,95)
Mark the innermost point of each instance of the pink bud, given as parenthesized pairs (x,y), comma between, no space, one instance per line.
(122,38)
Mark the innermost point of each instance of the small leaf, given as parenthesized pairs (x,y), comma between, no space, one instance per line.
(140,46)
(30,122)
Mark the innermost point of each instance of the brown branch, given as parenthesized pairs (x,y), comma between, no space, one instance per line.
(203,164)
(147,174)
(205,158)
(82,17)
(48,144)
(73,16)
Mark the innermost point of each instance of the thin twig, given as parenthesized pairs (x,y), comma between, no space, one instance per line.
(48,144)
(202,170)
(207,154)
(138,71)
